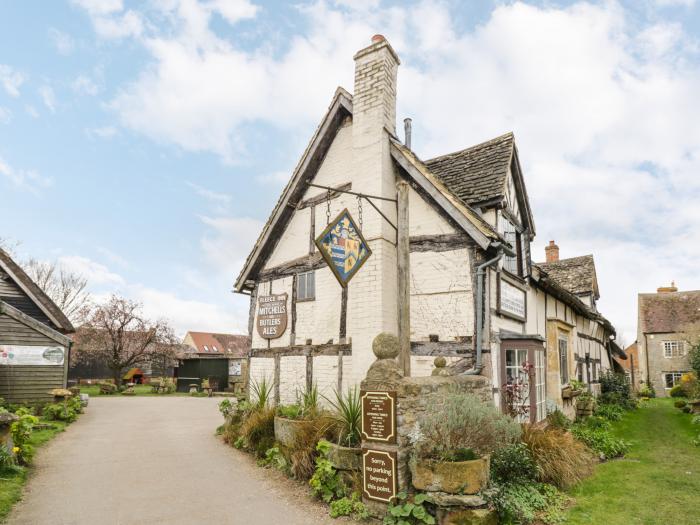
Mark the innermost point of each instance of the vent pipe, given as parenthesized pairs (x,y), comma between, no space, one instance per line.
(407,132)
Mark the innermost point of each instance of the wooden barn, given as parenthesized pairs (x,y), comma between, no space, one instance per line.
(34,345)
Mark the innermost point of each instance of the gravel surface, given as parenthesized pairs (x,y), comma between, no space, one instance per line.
(156,460)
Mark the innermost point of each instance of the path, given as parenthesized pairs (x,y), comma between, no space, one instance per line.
(155,460)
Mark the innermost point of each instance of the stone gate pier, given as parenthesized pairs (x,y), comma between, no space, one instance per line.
(391,407)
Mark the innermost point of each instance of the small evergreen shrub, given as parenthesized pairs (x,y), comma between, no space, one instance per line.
(647,391)
(616,390)
(595,433)
(680,403)
(561,460)
(610,412)
(513,464)
(351,506)
(686,409)
(518,504)
(677,391)
(463,421)
(347,410)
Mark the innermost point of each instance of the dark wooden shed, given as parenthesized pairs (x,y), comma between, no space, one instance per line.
(34,346)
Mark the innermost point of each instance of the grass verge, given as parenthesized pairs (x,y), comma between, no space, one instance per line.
(139,390)
(12,480)
(657,483)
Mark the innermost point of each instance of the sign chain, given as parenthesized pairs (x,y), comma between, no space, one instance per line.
(359,210)
(328,207)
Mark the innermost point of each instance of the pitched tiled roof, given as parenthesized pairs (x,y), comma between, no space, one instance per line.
(226,345)
(576,274)
(476,174)
(669,312)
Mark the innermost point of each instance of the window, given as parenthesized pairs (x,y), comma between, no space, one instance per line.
(672,379)
(512,299)
(512,237)
(306,286)
(515,359)
(674,348)
(206,348)
(214,349)
(564,358)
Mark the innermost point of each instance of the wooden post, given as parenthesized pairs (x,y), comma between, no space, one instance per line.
(404,279)
(276,380)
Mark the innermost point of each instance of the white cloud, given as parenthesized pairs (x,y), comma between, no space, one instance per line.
(97,274)
(103,132)
(27,179)
(5,115)
(11,80)
(674,3)
(222,199)
(63,42)
(31,111)
(48,97)
(234,10)
(110,20)
(85,85)
(232,240)
(277,178)
(113,257)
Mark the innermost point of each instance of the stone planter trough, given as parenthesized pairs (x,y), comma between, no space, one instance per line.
(287,429)
(345,458)
(452,477)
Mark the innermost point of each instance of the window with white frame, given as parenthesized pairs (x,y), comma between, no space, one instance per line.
(306,286)
(672,379)
(512,299)
(674,348)
(512,237)
(214,349)
(515,371)
(206,348)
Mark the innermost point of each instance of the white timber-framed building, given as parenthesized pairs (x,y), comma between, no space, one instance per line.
(465,209)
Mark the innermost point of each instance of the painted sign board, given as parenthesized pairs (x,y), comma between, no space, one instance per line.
(378,416)
(379,479)
(343,247)
(234,367)
(14,355)
(272,315)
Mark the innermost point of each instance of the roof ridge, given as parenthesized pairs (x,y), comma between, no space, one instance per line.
(475,147)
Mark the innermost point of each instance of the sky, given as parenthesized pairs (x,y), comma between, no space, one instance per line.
(144,144)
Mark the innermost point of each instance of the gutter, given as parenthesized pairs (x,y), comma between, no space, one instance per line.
(503,249)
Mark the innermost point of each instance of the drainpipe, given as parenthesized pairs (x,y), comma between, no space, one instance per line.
(480,273)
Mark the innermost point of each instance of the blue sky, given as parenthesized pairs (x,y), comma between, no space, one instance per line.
(144,143)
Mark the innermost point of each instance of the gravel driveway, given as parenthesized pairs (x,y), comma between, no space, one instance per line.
(156,460)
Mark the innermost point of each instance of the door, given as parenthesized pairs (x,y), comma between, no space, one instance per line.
(524,370)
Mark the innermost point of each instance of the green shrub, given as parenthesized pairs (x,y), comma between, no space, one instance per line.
(513,464)
(595,433)
(226,408)
(274,459)
(696,420)
(616,390)
(524,503)
(347,413)
(610,412)
(303,451)
(326,482)
(557,419)
(561,460)
(351,506)
(677,391)
(21,431)
(686,409)
(405,511)
(308,400)
(290,411)
(680,403)
(261,391)
(463,421)
(647,391)
(258,430)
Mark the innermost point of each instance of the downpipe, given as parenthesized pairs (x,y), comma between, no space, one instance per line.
(480,273)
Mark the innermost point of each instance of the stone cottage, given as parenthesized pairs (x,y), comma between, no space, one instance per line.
(668,323)
(475,295)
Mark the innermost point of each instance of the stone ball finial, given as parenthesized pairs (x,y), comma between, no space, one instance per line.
(440,362)
(385,346)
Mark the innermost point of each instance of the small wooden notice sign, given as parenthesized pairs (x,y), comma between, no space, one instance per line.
(379,475)
(378,416)
(272,315)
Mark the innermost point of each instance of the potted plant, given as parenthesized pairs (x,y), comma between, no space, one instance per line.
(291,419)
(573,389)
(453,444)
(346,453)
(585,404)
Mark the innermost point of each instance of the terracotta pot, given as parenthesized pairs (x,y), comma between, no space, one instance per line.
(453,477)
(345,458)
(286,430)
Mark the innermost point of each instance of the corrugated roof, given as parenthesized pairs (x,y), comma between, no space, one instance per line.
(476,174)
(576,274)
(669,312)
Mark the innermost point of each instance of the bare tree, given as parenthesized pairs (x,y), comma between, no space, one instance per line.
(65,288)
(117,335)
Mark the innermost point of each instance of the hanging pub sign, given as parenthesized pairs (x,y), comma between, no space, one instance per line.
(272,315)
(343,247)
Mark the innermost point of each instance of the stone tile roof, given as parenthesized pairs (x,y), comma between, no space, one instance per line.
(669,312)
(576,274)
(476,174)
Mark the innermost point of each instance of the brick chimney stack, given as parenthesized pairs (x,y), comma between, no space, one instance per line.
(552,252)
(667,289)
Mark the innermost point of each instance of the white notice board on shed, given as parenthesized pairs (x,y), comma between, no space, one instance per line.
(32,355)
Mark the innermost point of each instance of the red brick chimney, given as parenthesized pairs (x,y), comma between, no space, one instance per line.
(552,252)
(667,289)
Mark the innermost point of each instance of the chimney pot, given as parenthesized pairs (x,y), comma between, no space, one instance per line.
(551,252)
(407,132)
(378,38)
